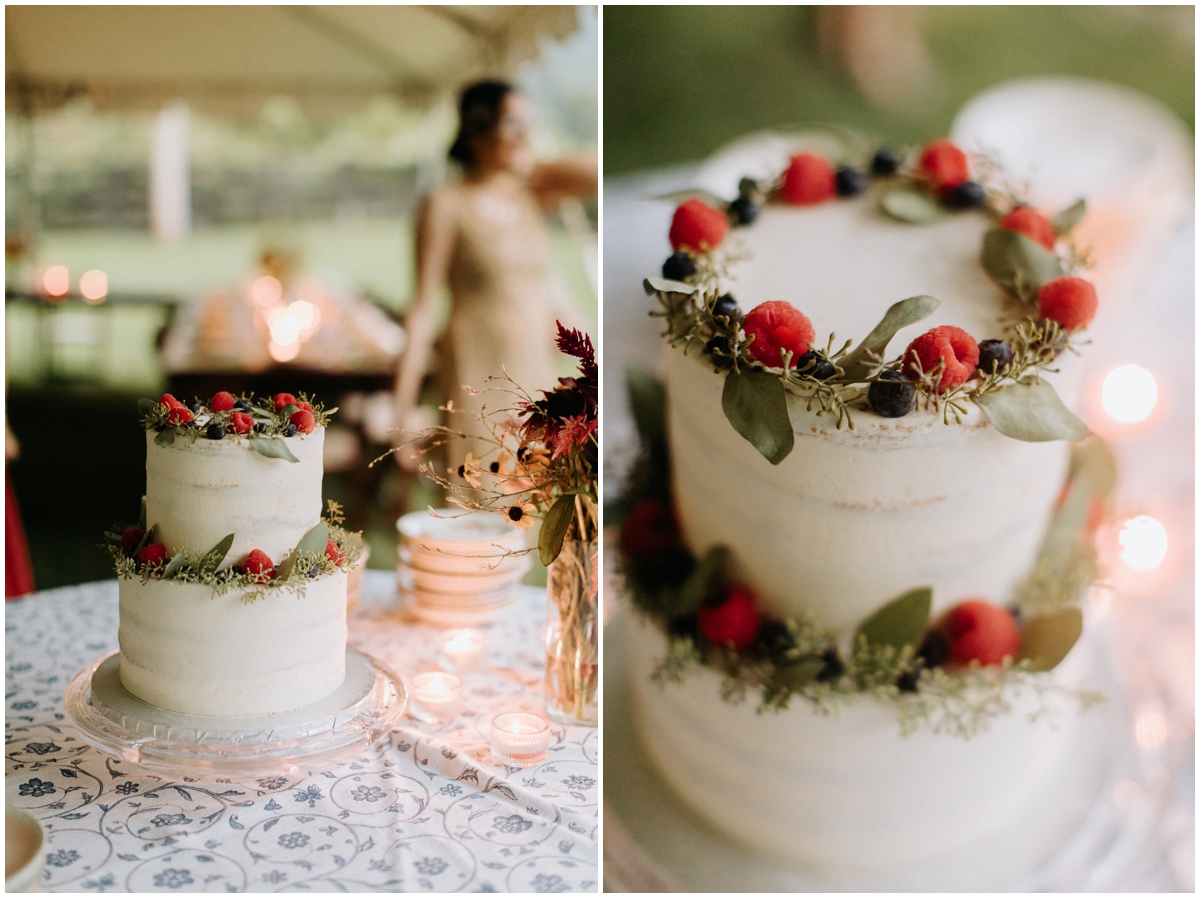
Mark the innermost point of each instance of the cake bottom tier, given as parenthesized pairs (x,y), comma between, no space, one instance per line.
(187,650)
(856,804)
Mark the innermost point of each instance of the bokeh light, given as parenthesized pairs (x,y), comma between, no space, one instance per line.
(57,280)
(1129,393)
(266,290)
(1151,728)
(284,352)
(306,314)
(284,329)
(94,285)
(1143,542)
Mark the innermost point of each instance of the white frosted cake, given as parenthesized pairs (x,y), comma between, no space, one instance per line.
(233,589)
(874,574)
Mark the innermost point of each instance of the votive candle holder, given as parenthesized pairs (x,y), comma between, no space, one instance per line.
(434,694)
(520,739)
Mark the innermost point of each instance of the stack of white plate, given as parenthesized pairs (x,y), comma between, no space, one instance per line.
(454,570)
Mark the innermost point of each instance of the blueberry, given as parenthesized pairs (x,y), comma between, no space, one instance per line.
(817,364)
(668,570)
(725,305)
(934,650)
(242,405)
(850,181)
(776,638)
(215,432)
(884,163)
(291,431)
(907,681)
(718,348)
(679,267)
(833,667)
(195,407)
(996,351)
(891,400)
(967,195)
(748,187)
(743,211)
(1017,616)
(314,570)
(260,427)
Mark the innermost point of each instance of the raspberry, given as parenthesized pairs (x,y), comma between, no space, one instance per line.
(1031,223)
(130,538)
(778,326)
(954,346)
(169,401)
(698,227)
(650,530)
(333,553)
(809,180)
(222,402)
(180,415)
(980,631)
(152,555)
(258,565)
(733,623)
(944,164)
(240,422)
(282,399)
(1069,301)
(300,403)
(303,420)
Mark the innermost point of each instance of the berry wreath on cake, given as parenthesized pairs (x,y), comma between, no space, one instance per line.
(874,535)
(232,584)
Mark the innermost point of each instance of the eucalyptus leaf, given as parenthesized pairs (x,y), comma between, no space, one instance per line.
(315,540)
(554,528)
(859,362)
(272,447)
(165,437)
(148,537)
(213,557)
(146,406)
(1093,462)
(755,402)
(1016,263)
(1066,220)
(699,584)
(648,402)
(142,515)
(900,622)
(174,566)
(794,677)
(1031,411)
(696,193)
(665,285)
(288,410)
(912,206)
(1047,638)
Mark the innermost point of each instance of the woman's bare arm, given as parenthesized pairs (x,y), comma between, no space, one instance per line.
(572,176)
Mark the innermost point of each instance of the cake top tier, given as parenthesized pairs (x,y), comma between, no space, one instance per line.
(261,420)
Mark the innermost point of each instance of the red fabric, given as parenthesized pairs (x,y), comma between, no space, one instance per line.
(18,567)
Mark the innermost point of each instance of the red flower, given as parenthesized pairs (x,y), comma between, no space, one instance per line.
(221,402)
(733,623)
(809,180)
(944,164)
(649,531)
(130,538)
(1032,224)
(152,555)
(1069,301)
(180,415)
(282,399)
(259,567)
(333,553)
(573,434)
(303,420)
(954,346)
(979,631)
(778,326)
(698,227)
(241,422)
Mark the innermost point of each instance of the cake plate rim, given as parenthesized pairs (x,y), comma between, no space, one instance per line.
(332,739)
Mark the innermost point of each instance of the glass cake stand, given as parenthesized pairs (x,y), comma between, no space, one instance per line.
(318,736)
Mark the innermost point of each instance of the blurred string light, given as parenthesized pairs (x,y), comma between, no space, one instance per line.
(1143,542)
(266,291)
(94,285)
(1129,393)
(284,352)
(306,315)
(56,281)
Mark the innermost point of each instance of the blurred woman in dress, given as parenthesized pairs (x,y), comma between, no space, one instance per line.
(483,237)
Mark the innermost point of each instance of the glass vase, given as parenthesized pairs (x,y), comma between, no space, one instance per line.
(572,635)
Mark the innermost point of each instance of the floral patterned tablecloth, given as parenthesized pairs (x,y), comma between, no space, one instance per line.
(428,810)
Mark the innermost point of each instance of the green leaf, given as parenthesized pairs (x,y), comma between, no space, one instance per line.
(146,406)
(1016,263)
(697,193)
(663,285)
(272,447)
(173,566)
(1031,411)
(1066,220)
(900,622)
(165,438)
(288,410)
(1092,461)
(699,584)
(912,206)
(142,516)
(315,540)
(859,362)
(794,677)
(554,528)
(1047,638)
(148,537)
(648,402)
(755,402)
(213,557)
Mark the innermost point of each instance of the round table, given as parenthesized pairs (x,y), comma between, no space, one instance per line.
(427,810)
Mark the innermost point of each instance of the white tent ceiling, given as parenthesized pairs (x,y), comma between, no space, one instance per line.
(231,58)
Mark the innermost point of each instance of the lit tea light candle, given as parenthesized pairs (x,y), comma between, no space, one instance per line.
(1143,542)
(520,739)
(462,647)
(1129,393)
(433,695)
